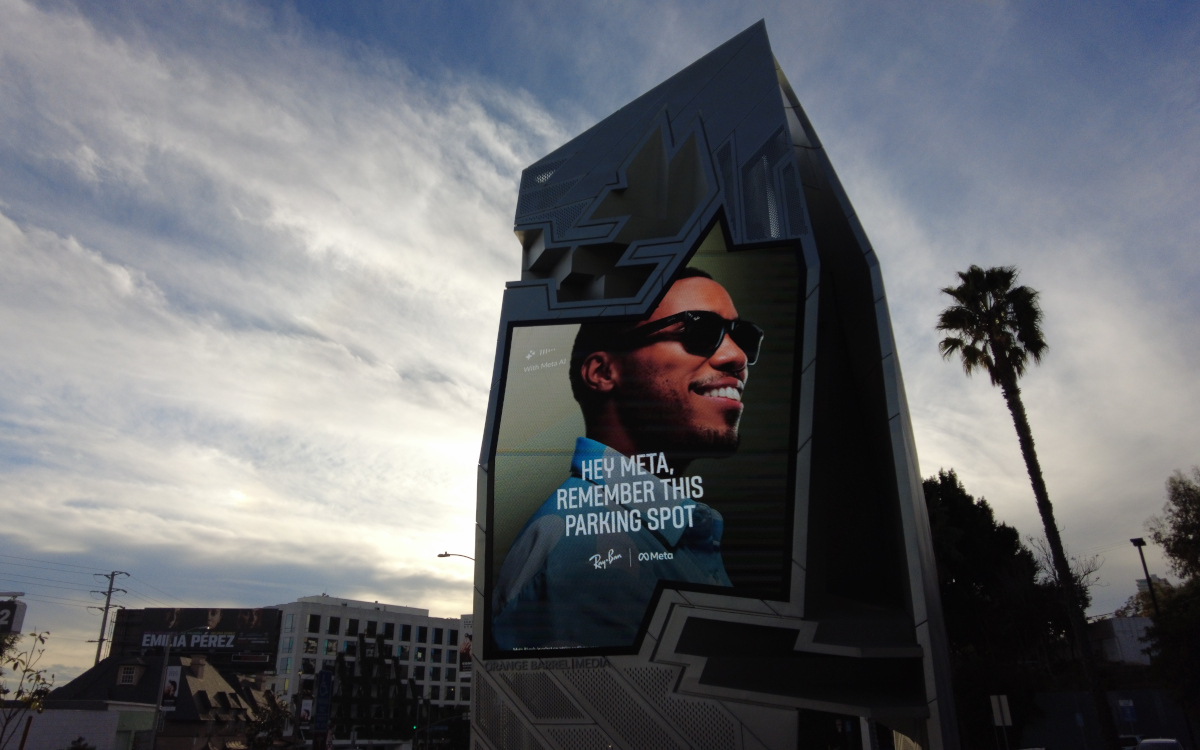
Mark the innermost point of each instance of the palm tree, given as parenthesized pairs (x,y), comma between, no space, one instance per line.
(996,327)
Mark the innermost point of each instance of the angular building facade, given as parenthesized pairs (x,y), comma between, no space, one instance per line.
(700,518)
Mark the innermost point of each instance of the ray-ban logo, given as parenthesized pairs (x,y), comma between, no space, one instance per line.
(600,563)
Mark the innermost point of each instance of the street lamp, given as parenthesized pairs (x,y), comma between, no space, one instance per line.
(454,554)
(1139,543)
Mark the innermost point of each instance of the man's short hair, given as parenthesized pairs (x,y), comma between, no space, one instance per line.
(600,336)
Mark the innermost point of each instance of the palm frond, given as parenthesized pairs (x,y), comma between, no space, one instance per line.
(996,326)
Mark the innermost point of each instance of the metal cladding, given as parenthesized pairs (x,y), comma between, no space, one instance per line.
(722,152)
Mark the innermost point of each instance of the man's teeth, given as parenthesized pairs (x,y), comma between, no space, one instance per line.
(732,393)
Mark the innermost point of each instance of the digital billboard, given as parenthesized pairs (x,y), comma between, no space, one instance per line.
(699,510)
(637,454)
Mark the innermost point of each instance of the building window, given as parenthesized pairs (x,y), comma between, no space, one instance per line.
(368,649)
(437,636)
(419,654)
(371,626)
(310,645)
(418,673)
(435,655)
(350,648)
(308,666)
(402,670)
(287,682)
(450,674)
(285,666)
(435,693)
(389,631)
(406,632)
(422,634)
(464,693)
(452,638)
(289,643)
(435,674)
(314,623)
(449,692)
(402,653)
(352,627)
(127,675)
(331,645)
(335,626)
(289,623)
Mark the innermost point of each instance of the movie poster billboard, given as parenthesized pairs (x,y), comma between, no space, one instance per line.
(633,455)
(246,632)
(170,692)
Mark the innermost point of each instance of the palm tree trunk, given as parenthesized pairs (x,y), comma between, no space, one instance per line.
(1062,569)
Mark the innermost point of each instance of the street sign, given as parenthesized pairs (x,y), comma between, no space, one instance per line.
(1000,715)
(12,616)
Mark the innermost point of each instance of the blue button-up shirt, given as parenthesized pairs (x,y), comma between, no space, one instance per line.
(583,568)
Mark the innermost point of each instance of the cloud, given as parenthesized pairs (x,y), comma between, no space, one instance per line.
(234,305)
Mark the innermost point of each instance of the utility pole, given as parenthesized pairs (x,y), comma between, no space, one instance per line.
(112,577)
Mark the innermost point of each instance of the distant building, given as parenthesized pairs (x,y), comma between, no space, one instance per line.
(316,630)
(116,699)
(1119,639)
(1160,584)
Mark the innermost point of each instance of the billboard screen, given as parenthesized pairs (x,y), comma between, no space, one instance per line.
(245,634)
(633,455)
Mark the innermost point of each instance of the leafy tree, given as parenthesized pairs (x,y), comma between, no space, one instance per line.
(268,723)
(31,686)
(79,743)
(1177,530)
(995,327)
(1175,642)
(1175,634)
(999,609)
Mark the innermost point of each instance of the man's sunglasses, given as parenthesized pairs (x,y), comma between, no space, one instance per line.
(702,334)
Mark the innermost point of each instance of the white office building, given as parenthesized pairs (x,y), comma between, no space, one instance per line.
(315,629)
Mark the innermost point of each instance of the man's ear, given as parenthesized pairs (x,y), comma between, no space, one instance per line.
(600,372)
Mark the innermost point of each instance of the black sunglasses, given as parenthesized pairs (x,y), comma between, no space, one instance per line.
(702,334)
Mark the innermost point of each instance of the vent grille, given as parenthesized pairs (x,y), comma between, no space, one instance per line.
(498,722)
(623,714)
(539,174)
(541,696)
(561,218)
(532,201)
(728,184)
(704,726)
(763,209)
(582,738)
(791,197)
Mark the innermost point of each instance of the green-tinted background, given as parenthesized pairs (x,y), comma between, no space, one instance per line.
(540,421)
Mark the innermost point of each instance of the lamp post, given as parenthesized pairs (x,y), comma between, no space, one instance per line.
(162,683)
(1140,543)
(454,554)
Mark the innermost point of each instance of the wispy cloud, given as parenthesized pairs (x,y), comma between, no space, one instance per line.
(239,326)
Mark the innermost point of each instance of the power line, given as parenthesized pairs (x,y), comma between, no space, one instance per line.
(49,586)
(43,567)
(49,562)
(37,578)
(172,596)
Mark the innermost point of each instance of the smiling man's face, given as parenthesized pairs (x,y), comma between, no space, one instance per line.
(675,401)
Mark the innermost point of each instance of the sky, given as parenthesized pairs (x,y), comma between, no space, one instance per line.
(252,257)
